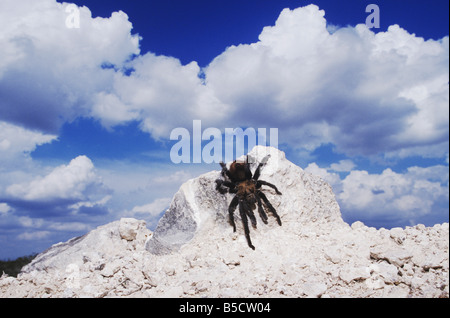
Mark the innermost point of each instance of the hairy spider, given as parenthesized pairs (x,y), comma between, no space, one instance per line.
(247,187)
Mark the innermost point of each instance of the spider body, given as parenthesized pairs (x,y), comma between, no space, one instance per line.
(248,194)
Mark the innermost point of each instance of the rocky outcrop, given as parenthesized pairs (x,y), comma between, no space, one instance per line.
(197,209)
(193,252)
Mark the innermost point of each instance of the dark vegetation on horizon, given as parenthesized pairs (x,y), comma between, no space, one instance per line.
(13,267)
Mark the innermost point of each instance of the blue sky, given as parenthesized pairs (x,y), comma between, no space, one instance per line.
(86,113)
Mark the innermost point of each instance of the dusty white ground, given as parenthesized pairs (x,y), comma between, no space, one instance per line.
(194,252)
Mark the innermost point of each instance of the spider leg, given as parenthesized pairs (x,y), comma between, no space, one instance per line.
(248,172)
(245,223)
(257,171)
(225,170)
(231,208)
(220,186)
(259,183)
(270,207)
(261,212)
(250,213)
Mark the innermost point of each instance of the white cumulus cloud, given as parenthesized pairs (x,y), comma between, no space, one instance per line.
(68,182)
(397,197)
(50,73)
(161,93)
(16,142)
(36,235)
(152,209)
(365,92)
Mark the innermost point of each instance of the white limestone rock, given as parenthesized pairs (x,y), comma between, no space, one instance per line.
(197,206)
(93,247)
(194,252)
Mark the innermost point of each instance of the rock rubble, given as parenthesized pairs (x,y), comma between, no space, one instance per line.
(193,252)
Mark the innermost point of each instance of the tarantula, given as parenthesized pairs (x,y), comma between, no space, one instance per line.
(247,187)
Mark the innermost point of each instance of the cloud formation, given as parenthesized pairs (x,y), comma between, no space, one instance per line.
(16,142)
(150,212)
(49,73)
(389,197)
(68,190)
(161,93)
(43,209)
(365,93)
(67,182)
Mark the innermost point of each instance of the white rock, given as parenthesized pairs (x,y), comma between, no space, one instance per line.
(314,289)
(128,228)
(349,274)
(194,252)
(334,254)
(173,292)
(309,199)
(389,273)
(397,256)
(398,235)
(375,283)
